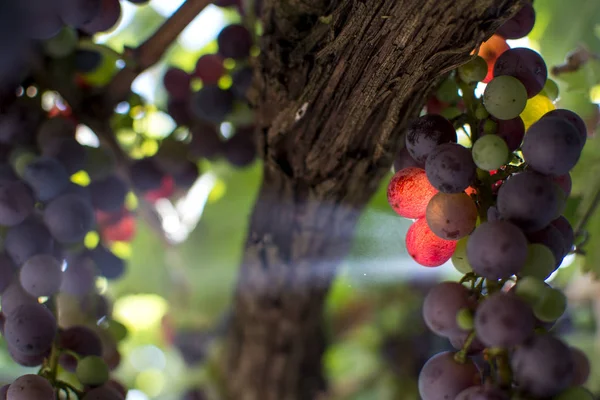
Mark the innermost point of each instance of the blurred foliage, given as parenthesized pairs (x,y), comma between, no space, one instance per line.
(378,340)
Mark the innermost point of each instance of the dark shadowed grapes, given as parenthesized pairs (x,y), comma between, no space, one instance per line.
(503,320)
(526,65)
(450,168)
(234,42)
(520,24)
(212,103)
(426,133)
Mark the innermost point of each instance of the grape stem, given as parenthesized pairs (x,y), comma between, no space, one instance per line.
(151,51)
(461,356)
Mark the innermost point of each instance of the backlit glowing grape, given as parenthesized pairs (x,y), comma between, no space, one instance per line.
(409,192)
(451,216)
(425,247)
(536,108)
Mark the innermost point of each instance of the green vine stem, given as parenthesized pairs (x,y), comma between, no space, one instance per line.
(503,367)
(461,356)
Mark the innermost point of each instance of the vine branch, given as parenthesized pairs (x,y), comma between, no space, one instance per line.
(151,51)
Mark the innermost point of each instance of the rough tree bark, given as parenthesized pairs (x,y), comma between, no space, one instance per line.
(337,82)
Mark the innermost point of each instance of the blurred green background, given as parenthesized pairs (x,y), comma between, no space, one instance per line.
(378,341)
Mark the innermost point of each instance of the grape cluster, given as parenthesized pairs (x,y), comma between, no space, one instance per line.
(221,98)
(494,207)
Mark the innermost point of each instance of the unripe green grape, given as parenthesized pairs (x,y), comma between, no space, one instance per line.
(490,152)
(481,112)
(490,127)
(540,262)
(575,393)
(447,92)
(464,319)
(92,370)
(62,44)
(505,97)
(117,330)
(459,258)
(450,113)
(473,71)
(531,290)
(550,90)
(552,306)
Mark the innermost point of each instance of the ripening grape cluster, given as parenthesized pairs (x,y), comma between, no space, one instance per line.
(494,208)
(224,79)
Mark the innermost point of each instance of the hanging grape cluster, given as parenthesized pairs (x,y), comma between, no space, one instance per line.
(493,206)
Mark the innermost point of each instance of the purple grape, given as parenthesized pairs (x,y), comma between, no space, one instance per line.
(104,392)
(403,160)
(108,194)
(242,80)
(212,104)
(14,296)
(529,200)
(543,366)
(520,24)
(526,65)
(188,176)
(193,345)
(69,153)
(450,168)
(206,142)
(81,340)
(54,129)
(109,265)
(443,378)
(47,177)
(7,272)
(79,278)
(235,41)
(43,21)
(194,394)
(426,133)
(69,218)
(582,367)
(550,237)
(177,83)
(566,230)
(504,320)
(30,329)
(145,175)
(552,146)
(511,130)
(180,111)
(493,214)
(78,12)
(441,305)
(16,202)
(27,239)
(3,391)
(497,250)
(41,275)
(574,119)
(29,387)
(482,393)
(240,150)
(87,60)
(27,360)
(107,17)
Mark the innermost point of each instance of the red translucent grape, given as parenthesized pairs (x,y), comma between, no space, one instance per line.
(425,247)
(209,68)
(409,192)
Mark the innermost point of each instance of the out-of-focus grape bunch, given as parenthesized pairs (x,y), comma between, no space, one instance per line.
(492,202)
(65,206)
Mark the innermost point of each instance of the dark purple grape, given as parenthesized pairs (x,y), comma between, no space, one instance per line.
(105,392)
(15,296)
(69,153)
(47,177)
(566,230)
(520,24)
(16,202)
(29,387)
(180,111)
(497,250)
(30,329)
(42,19)
(511,130)
(582,367)
(145,175)
(493,214)
(96,306)
(55,129)
(543,366)
(504,320)
(242,80)
(209,68)
(573,118)
(403,160)
(87,60)
(108,194)
(526,65)
(7,173)
(193,345)
(212,104)
(234,42)
(240,150)
(188,176)
(444,378)
(194,394)
(7,272)
(78,12)
(206,142)
(27,360)
(109,265)
(3,391)
(79,278)
(482,393)
(177,83)
(41,275)
(564,182)
(552,146)
(441,305)
(107,17)
(426,133)
(81,340)
(69,218)
(27,239)
(550,237)
(139,2)
(529,200)
(226,3)
(450,168)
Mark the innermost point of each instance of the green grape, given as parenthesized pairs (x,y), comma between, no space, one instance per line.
(505,97)
(450,112)
(490,127)
(562,198)
(62,44)
(107,68)
(481,112)
(473,71)
(92,370)
(459,258)
(540,262)
(447,92)
(490,152)
(552,305)
(117,330)
(575,393)
(550,90)
(464,319)
(531,290)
